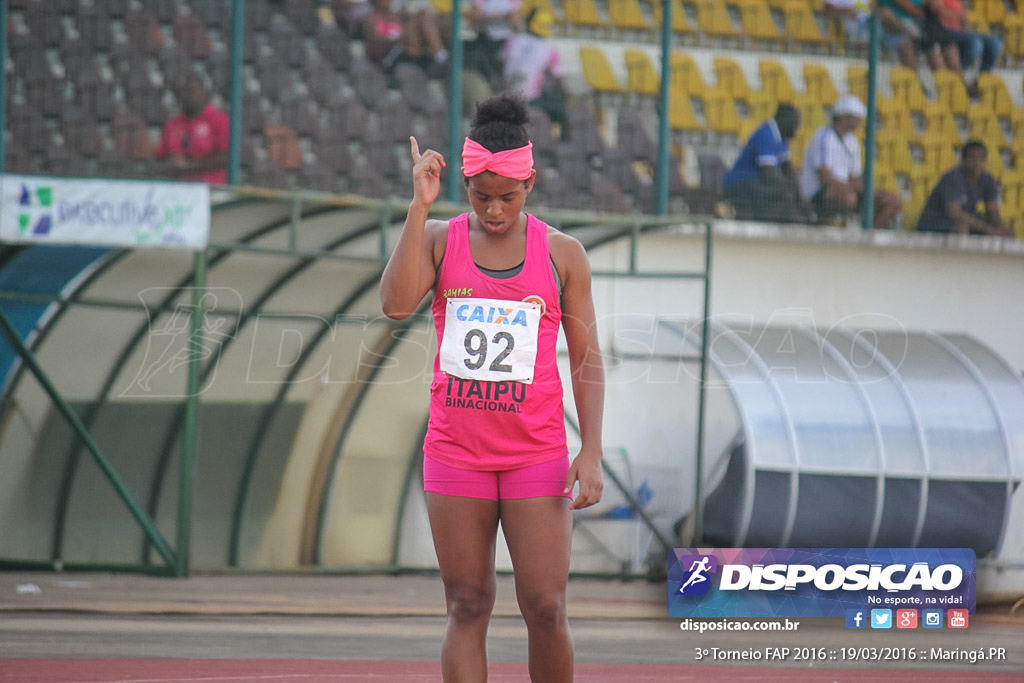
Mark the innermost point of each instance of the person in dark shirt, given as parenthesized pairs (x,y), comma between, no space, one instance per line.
(966,199)
(761,185)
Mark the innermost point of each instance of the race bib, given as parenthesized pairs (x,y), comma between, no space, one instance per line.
(491,340)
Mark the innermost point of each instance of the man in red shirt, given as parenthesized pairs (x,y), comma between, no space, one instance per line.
(194,144)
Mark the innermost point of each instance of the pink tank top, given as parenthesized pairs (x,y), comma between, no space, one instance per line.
(496,425)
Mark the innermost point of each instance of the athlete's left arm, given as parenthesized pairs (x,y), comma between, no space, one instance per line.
(579,322)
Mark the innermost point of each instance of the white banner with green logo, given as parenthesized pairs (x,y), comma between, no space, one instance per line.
(104,212)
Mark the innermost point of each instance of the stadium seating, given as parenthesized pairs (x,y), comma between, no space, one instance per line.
(91,84)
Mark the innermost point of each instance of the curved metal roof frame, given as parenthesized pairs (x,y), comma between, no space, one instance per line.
(771,412)
(285,216)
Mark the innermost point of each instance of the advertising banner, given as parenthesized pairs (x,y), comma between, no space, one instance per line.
(122,213)
(821,582)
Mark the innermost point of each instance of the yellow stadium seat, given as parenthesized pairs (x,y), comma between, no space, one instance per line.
(994,163)
(641,76)
(627,15)
(720,111)
(729,75)
(857,80)
(984,125)
(938,119)
(761,106)
(894,115)
(680,24)
(800,25)
(681,116)
(775,81)
(713,19)
(528,6)
(812,114)
(1013,35)
(686,76)
(938,152)
(797,146)
(922,181)
(1017,122)
(756,20)
(906,87)
(952,92)
(1012,184)
(892,149)
(583,13)
(1017,153)
(597,72)
(995,95)
(818,82)
(994,11)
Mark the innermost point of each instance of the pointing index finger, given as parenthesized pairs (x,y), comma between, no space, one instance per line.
(415,148)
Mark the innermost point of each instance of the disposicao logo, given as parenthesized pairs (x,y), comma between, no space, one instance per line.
(821,582)
(696,580)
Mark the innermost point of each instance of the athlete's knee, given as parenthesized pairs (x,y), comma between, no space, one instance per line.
(468,602)
(544,610)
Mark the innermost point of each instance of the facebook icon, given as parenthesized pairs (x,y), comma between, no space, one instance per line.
(856,618)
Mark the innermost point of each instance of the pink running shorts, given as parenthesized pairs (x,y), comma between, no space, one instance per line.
(535,481)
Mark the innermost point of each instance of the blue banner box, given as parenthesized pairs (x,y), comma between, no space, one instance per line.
(817,582)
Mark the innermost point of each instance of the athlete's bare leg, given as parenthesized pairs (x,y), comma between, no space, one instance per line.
(464,531)
(538,532)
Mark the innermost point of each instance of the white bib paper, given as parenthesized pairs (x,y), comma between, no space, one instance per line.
(491,340)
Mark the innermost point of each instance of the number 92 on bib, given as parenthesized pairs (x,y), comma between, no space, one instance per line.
(490,340)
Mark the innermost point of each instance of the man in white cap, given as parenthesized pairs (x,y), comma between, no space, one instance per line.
(831,176)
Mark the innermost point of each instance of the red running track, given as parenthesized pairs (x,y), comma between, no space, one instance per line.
(345,671)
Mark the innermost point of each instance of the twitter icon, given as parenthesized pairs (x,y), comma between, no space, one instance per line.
(881,618)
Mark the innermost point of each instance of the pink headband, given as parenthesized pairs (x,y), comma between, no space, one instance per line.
(512,163)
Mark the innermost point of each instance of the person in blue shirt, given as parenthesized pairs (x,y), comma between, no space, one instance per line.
(966,199)
(761,185)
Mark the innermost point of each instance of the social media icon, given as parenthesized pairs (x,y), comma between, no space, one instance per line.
(856,618)
(881,618)
(931,618)
(957,618)
(906,618)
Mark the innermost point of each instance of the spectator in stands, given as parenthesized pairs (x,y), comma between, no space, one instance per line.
(493,22)
(409,30)
(831,177)
(901,28)
(533,66)
(937,43)
(761,185)
(194,144)
(348,14)
(851,16)
(966,199)
(979,52)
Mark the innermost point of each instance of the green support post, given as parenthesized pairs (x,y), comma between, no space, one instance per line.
(190,437)
(237,42)
(65,409)
(664,101)
(874,40)
(454,159)
(698,504)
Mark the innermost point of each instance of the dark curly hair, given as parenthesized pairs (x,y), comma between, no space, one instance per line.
(500,122)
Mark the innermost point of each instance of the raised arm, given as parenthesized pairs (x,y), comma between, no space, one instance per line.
(586,365)
(410,272)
